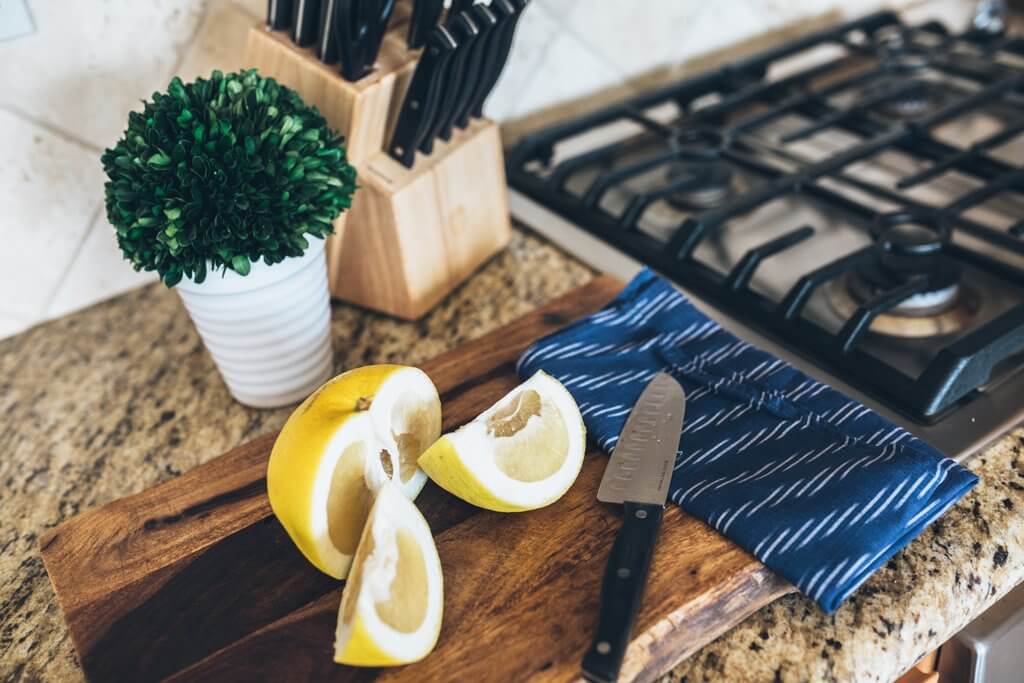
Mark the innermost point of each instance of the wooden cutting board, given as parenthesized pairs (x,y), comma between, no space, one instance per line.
(194,579)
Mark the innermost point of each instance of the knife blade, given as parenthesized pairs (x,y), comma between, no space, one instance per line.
(509,12)
(463,30)
(638,475)
(327,41)
(305,15)
(425,15)
(485,21)
(419,108)
(279,14)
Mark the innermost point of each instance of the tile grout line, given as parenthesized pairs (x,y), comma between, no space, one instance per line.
(525,86)
(50,128)
(188,43)
(52,296)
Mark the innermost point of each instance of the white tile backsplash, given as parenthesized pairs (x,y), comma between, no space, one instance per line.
(50,189)
(90,61)
(98,272)
(68,86)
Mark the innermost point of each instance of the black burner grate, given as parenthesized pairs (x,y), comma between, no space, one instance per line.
(884,88)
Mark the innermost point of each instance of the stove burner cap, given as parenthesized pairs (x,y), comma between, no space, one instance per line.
(706,184)
(699,143)
(900,98)
(706,181)
(910,245)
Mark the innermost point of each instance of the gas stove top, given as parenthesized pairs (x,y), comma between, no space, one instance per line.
(853,200)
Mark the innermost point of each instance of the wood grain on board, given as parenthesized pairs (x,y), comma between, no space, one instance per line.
(194,579)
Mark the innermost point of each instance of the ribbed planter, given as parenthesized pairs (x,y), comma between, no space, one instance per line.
(268,332)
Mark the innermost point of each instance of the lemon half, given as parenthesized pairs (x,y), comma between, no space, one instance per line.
(358,431)
(392,604)
(521,454)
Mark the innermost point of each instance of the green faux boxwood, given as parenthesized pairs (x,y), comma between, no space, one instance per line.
(222,172)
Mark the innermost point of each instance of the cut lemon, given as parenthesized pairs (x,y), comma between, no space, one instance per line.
(521,454)
(359,430)
(391,607)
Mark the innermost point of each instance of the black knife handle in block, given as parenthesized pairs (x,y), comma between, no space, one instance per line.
(377,26)
(460,6)
(504,33)
(463,30)
(422,97)
(279,14)
(621,590)
(327,41)
(305,15)
(425,15)
(485,21)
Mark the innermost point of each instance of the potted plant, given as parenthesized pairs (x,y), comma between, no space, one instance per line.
(227,187)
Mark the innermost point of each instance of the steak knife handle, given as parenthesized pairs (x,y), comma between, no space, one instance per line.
(621,590)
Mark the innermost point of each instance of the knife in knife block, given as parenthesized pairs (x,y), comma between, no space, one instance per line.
(412,234)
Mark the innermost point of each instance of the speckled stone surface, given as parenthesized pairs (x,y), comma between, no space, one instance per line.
(959,566)
(111,400)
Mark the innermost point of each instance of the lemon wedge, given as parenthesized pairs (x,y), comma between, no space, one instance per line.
(521,454)
(393,600)
(358,431)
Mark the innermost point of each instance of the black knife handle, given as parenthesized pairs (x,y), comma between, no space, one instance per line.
(422,96)
(279,14)
(425,15)
(305,15)
(327,41)
(460,6)
(464,31)
(621,590)
(505,32)
(485,21)
(377,26)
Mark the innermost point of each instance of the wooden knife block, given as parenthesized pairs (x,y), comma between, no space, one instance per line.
(411,235)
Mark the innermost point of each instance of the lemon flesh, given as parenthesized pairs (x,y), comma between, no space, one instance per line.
(392,604)
(361,429)
(521,454)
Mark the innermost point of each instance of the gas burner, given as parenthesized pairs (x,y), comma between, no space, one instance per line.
(708,181)
(918,317)
(903,99)
(711,184)
(909,248)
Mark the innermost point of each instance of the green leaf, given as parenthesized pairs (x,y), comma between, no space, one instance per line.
(240,264)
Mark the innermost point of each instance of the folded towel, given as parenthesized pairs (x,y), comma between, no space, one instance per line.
(818,487)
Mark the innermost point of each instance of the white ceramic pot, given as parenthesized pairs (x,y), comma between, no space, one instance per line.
(270,331)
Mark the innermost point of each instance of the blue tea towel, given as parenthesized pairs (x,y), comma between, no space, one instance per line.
(818,487)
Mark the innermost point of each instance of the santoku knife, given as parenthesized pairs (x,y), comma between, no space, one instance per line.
(420,106)
(637,476)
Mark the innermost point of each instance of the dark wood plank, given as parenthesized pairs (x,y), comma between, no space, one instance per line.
(196,578)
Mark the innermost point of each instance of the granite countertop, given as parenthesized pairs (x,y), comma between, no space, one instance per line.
(115,398)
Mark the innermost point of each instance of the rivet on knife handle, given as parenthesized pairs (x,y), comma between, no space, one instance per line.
(621,590)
